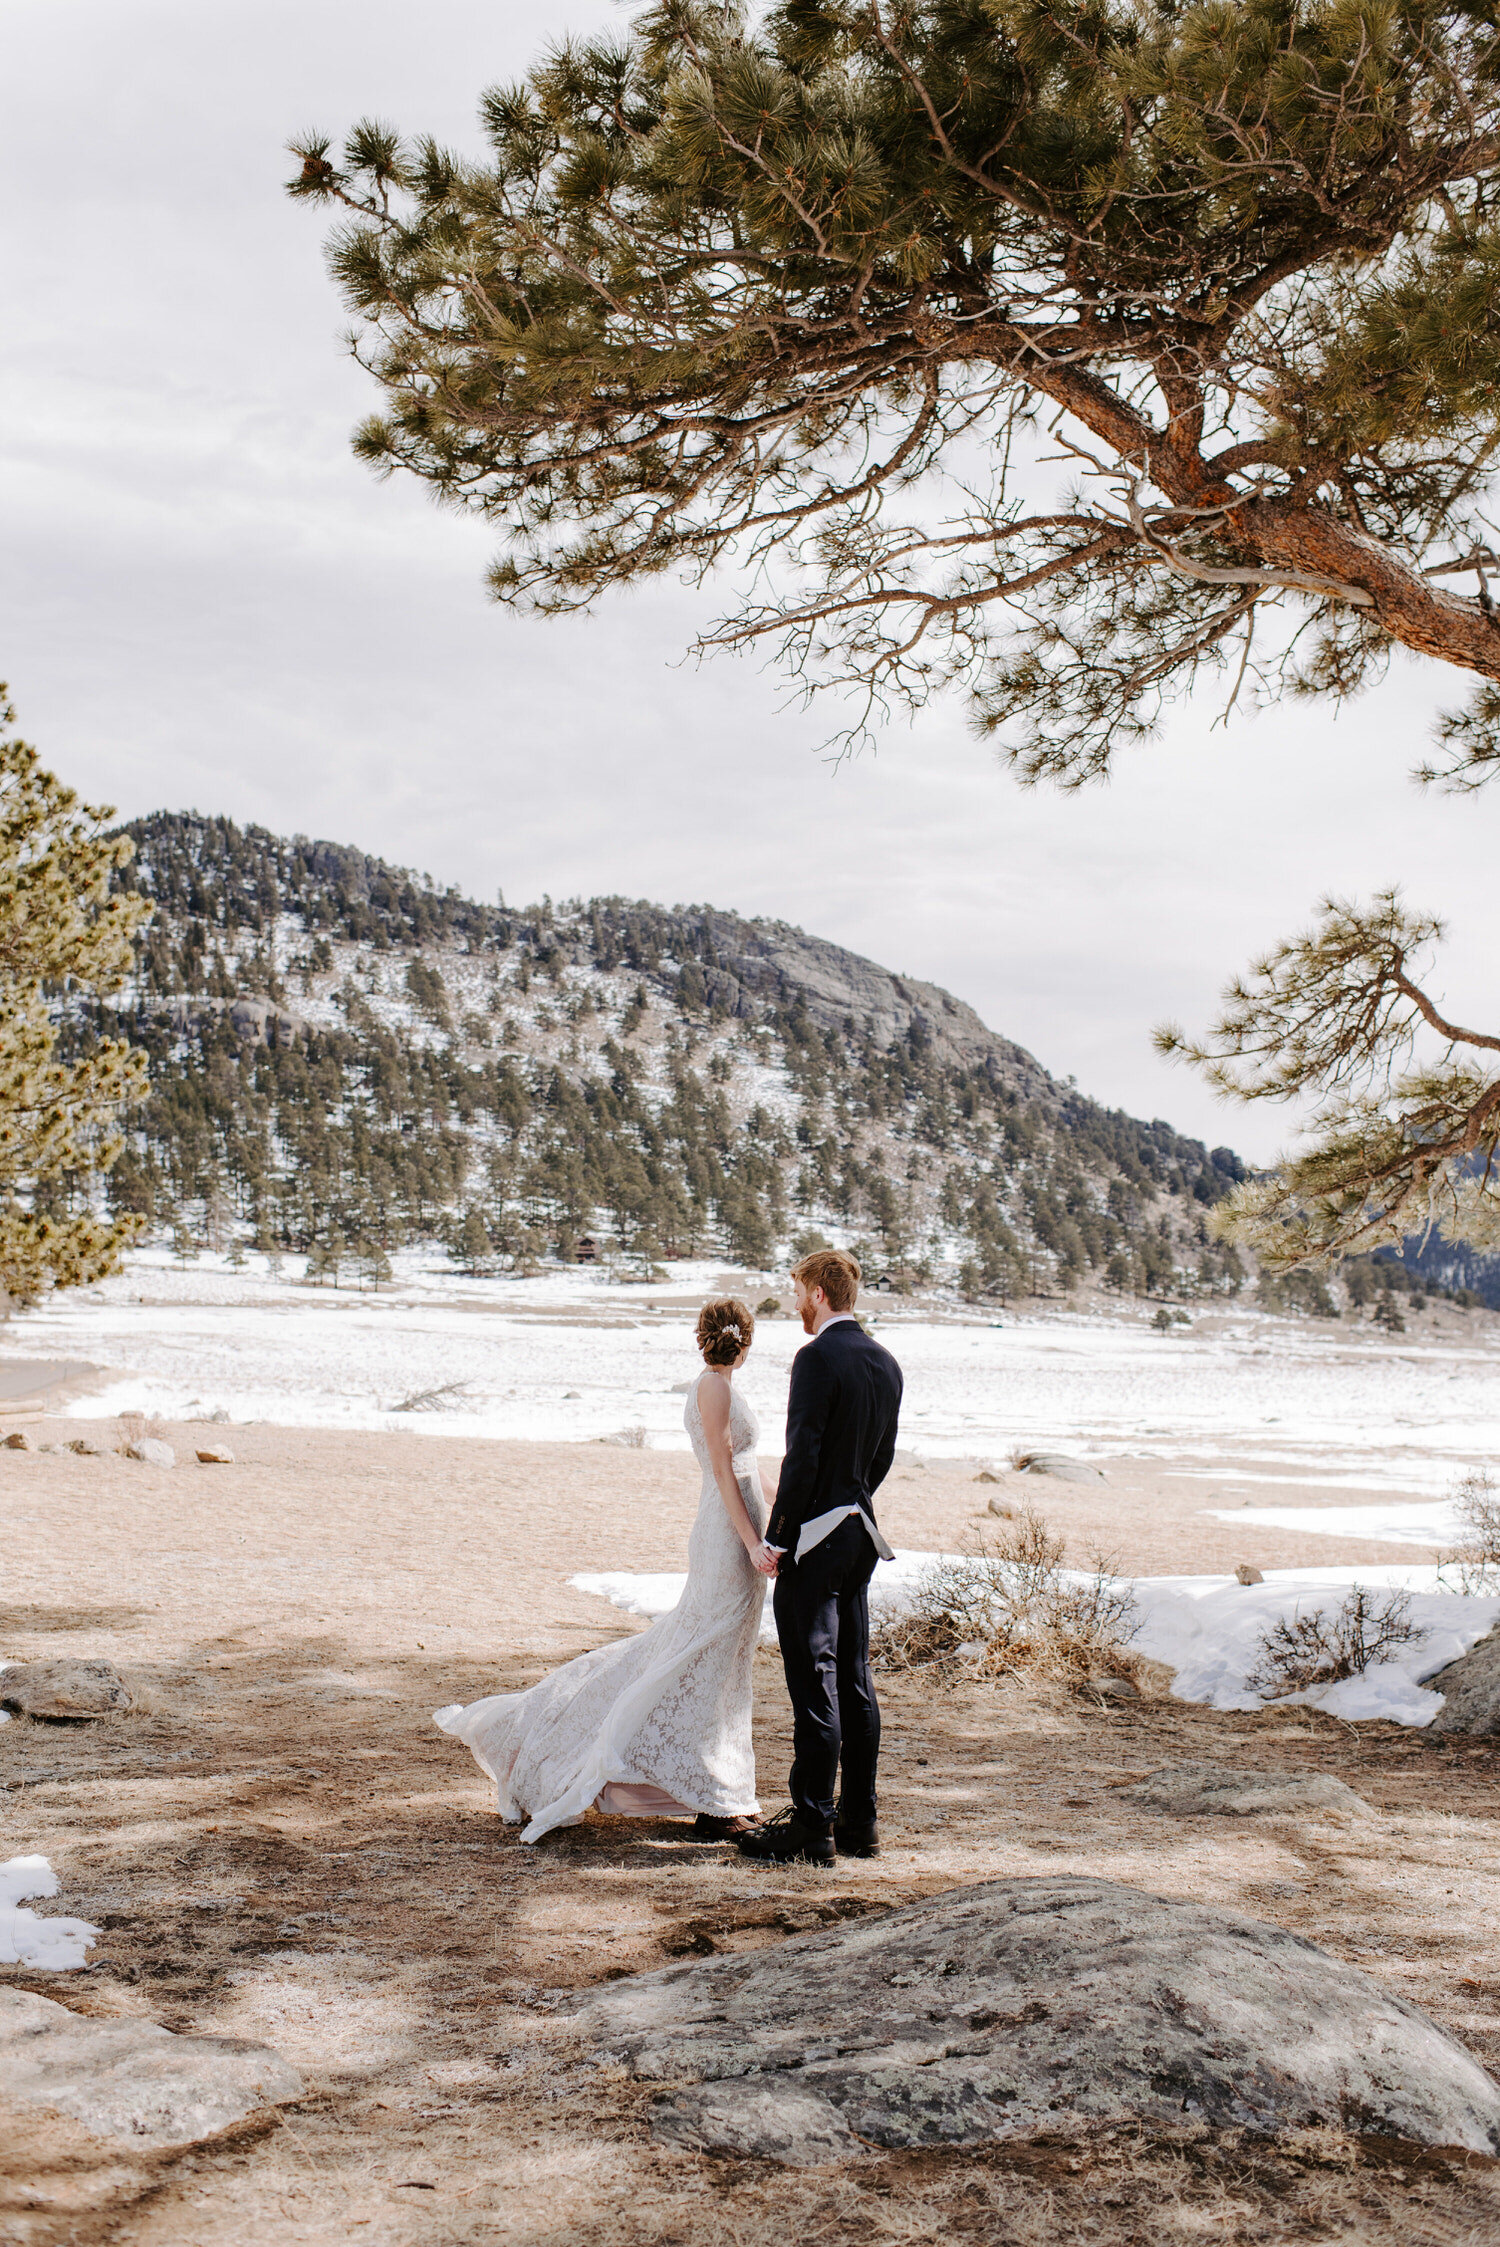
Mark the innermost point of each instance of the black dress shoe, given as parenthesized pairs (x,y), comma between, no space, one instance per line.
(785,1840)
(856,1841)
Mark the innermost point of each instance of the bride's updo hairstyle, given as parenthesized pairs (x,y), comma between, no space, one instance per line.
(725,1328)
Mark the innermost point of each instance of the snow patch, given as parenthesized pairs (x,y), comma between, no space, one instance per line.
(1209,1630)
(55,1946)
(1435,1524)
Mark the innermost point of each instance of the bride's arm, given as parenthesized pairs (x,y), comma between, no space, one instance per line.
(713,1410)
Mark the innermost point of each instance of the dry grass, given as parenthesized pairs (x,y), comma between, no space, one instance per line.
(320,1871)
(134,1427)
(1009,1606)
(287,1849)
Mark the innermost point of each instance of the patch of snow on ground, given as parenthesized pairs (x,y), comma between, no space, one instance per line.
(55,1946)
(1209,1630)
(1206,1628)
(1387,1525)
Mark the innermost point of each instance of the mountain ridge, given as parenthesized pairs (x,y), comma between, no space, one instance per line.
(345,1056)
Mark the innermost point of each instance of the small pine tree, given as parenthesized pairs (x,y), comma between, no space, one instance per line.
(61,931)
(374,1265)
(323,1261)
(473,1247)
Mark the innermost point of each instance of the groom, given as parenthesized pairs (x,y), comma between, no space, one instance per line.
(840,1440)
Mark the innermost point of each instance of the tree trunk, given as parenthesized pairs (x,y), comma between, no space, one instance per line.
(1403,601)
(1284,536)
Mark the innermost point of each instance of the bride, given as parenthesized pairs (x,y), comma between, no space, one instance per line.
(656,1726)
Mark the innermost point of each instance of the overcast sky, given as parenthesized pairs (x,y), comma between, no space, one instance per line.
(210,605)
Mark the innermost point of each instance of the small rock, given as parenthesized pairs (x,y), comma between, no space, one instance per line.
(1060,1468)
(152,1450)
(1198,1789)
(130,2080)
(86,1448)
(984,1475)
(215,1455)
(1471,1690)
(1117,1689)
(1001,1510)
(1245,1574)
(17,1440)
(64,1690)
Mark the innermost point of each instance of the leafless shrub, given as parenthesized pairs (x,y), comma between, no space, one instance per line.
(134,1427)
(628,1439)
(1313,1649)
(448,1398)
(1008,1605)
(1475,1559)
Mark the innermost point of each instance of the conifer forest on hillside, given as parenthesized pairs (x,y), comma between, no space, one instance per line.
(346,1060)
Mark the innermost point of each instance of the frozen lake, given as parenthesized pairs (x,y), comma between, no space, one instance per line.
(573,1357)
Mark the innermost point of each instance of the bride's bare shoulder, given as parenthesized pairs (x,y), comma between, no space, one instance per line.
(712,1390)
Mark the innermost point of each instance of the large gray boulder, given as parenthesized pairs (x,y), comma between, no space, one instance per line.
(1219,1789)
(1022,2006)
(132,2082)
(1471,1690)
(64,1690)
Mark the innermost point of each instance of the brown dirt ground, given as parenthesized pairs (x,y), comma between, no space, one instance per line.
(281,1846)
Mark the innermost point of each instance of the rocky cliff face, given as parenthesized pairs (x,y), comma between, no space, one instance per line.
(768,960)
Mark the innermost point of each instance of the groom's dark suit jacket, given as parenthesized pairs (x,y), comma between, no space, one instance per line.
(840,1428)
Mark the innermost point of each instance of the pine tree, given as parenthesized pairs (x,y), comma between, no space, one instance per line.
(65,935)
(473,1247)
(737,288)
(1405,1139)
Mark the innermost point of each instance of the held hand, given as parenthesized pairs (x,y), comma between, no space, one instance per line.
(767,1559)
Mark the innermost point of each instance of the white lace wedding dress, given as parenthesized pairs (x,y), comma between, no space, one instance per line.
(657,1725)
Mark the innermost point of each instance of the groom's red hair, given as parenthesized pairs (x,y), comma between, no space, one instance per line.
(835,1271)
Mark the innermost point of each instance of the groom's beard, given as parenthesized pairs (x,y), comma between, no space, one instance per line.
(809,1322)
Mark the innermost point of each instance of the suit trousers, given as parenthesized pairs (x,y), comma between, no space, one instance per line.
(822,1611)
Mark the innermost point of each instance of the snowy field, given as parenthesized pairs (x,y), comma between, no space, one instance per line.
(573,1356)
